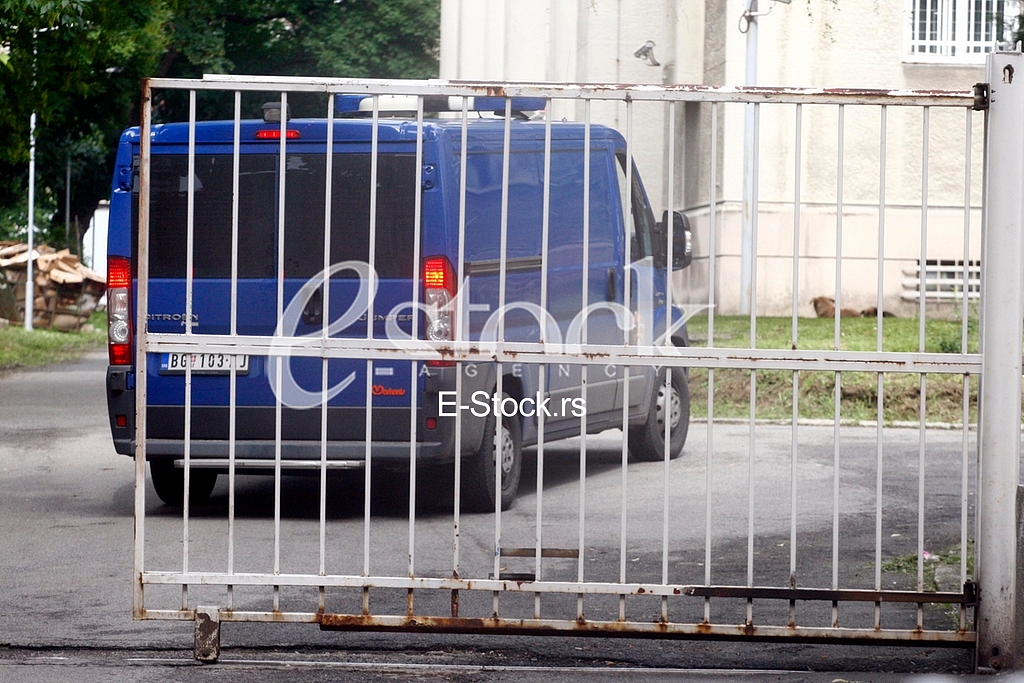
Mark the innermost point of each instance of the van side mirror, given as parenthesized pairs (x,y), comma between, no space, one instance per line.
(682,240)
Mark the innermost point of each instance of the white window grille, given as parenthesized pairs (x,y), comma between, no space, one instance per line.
(957,31)
(943,281)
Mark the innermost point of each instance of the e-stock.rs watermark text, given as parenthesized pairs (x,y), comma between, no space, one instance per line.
(483,404)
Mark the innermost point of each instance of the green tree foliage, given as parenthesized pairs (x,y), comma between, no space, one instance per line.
(350,38)
(78,65)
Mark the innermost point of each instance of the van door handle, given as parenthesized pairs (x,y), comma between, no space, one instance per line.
(611,286)
(313,311)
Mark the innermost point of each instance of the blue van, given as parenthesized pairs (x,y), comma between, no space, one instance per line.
(595,258)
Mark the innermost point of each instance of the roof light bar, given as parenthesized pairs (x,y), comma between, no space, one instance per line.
(272,112)
(431,103)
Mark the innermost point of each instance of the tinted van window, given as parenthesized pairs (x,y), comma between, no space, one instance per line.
(525,206)
(258,214)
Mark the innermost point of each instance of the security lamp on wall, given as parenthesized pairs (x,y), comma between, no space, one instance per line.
(752,12)
(646,53)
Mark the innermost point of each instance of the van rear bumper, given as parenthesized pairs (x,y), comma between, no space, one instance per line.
(437,447)
(395,453)
(255,428)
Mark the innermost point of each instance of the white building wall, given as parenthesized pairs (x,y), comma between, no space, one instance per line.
(581,41)
(851,44)
(812,43)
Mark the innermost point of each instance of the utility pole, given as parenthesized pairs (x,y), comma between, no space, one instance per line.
(749,191)
(30,293)
(748,25)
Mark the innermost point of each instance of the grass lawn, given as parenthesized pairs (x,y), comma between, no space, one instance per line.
(858,390)
(21,349)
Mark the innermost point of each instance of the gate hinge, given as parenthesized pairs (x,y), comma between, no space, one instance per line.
(981,96)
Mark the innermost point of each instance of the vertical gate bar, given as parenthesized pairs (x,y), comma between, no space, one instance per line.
(325,325)
(367,444)
(233,395)
(190,216)
(141,340)
(496,545)
(374,163)
(922,291)
(966,288)
(456,519)
(670,225)
(367,435)
(712,257)
(713,225)
(542,369)
(964,348)
(189,287)
(584,369)
(755,208)
(539,533)
(278,408)
(321,590)
(879,300)
(797,161)
(277,471)
(840,156)
(506,164)
(837,317)
(755,197)
(880,389)
(462,314)
(627,281)
(414,324)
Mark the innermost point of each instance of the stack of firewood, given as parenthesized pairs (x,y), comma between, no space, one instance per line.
(66,291)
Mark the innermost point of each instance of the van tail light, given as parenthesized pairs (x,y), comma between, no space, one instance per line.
(438,295)
(275,134)
(119,309)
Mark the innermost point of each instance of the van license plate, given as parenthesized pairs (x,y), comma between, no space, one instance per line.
(203,363)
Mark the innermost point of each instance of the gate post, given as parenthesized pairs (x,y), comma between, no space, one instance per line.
(1002,305)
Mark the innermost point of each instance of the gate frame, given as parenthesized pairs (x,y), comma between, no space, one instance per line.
(998,544)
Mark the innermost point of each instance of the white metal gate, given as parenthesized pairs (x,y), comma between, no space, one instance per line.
(758,531)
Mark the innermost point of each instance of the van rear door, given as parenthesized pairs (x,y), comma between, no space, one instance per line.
(262,252)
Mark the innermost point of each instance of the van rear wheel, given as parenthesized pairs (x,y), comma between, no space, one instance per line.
(478,494)
(647,441)
(169,482)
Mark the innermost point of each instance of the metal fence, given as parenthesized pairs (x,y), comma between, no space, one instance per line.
(796,529)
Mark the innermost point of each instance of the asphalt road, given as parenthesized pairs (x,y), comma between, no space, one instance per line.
(66,567)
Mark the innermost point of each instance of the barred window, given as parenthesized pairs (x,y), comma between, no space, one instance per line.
(957,31)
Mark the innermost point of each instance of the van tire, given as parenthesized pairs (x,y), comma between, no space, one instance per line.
(647,441)
(478,470)
(169,482)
